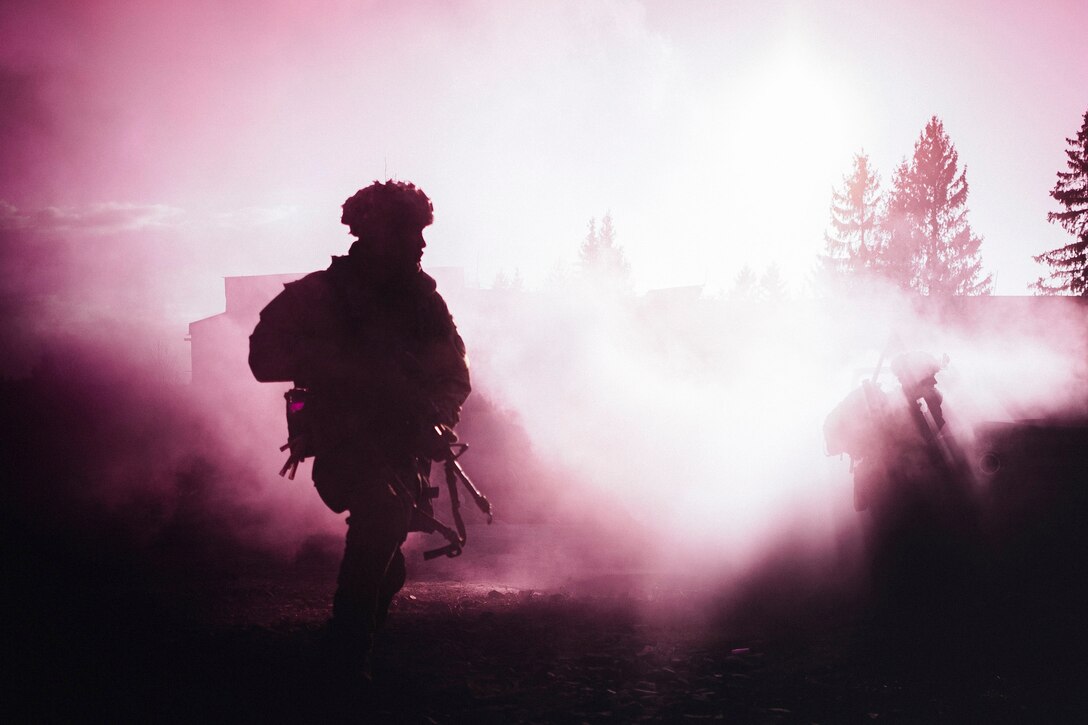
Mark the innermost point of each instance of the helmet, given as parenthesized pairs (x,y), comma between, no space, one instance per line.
(915,368)
(397,202)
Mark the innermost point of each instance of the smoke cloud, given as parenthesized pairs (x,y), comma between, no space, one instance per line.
(627,442)
(696,424)
(149,152)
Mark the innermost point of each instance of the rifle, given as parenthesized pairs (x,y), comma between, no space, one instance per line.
(439,443)
(442,444)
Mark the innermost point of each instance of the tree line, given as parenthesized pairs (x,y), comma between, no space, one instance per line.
(918,237)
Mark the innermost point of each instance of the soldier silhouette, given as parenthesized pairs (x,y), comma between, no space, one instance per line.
(913,483)
(377,363)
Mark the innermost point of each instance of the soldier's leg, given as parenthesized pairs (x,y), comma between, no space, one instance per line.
(377,525)
(394,579)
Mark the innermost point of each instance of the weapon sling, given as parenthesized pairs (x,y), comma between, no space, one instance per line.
(455,473)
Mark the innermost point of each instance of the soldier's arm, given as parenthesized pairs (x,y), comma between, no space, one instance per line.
(446,364)
(450,385)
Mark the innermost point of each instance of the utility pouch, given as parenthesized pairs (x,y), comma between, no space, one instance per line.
(299,430)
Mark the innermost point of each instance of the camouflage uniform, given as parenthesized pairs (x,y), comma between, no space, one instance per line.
(382,360)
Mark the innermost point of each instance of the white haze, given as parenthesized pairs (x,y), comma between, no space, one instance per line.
(685,432)
(703,419)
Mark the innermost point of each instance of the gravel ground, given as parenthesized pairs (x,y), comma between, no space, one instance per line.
(251,646)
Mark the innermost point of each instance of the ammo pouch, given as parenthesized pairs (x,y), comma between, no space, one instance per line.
(299,430)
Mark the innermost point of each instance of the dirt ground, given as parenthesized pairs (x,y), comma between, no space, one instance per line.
(98,637)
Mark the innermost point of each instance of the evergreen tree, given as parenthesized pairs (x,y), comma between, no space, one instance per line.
(744,285)
(559,277)
(853,244)
(898,258)
(1069,264)
(589,251)
(505,282)
(927,222)
(771,287)
(602,260)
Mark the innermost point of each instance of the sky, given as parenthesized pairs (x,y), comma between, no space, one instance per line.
(201,140)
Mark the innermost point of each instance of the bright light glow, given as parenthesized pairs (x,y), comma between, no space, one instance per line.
(777,143)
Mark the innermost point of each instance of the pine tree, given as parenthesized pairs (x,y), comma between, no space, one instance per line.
(744,286)
(559,277)
(1069,264)
(853,245)
(771,286)
(602,260)
(899,258)
(926,221)
(590,250)
(506,283)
